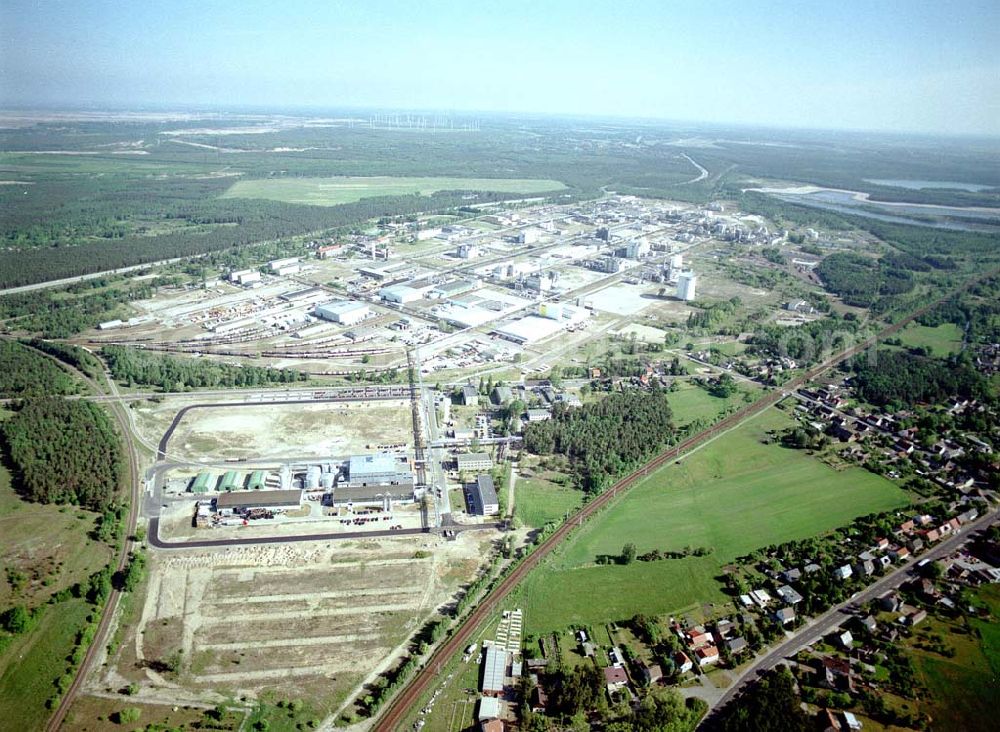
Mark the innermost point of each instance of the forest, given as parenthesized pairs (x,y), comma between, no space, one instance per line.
(64,451)
(25,372)
(604,440)
(170,373)
(861,281)
(900,379)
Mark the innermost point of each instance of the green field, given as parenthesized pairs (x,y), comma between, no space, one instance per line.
(690,402)
(335,191)
(941,340)
(538,501)
(50,549)
(31,664)
(734,495)
(963,689)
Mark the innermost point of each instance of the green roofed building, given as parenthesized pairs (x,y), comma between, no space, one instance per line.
(230,481)
(203,483)
(256,480)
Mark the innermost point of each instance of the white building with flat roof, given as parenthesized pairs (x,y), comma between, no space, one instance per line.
(345,312)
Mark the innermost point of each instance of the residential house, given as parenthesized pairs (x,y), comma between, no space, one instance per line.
(652,674)
(785,615)
(683,662)
(615,678)
(789,595)
(707,655)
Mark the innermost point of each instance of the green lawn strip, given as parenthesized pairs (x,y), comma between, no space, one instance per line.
(334,191)
(733,496)
(31,664)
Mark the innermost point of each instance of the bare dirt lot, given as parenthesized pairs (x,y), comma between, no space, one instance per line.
(273,430)
(305,621)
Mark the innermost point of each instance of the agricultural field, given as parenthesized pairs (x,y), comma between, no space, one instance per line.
(305,622)
(941,340)
(269,431)
(336,191)
(734,495)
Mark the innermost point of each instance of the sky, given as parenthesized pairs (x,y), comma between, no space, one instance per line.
(905,65)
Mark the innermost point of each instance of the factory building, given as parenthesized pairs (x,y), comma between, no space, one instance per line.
(276,265)
(244,276)
(686,283)
(468,251)
(482,497)
(240,501)
(472,461)
(345,312)
(379,470)
(637,249)
(400,294)
(494,671)
(453,288)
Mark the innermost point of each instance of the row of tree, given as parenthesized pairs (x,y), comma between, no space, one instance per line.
(605,439)
(137,367)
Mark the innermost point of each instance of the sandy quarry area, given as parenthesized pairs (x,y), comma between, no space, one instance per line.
(277,430)
(304,621)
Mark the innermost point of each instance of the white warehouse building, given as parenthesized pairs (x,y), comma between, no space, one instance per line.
(345,312)
(686,283)
(400,293)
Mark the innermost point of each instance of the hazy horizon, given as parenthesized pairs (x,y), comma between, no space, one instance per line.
(906,68)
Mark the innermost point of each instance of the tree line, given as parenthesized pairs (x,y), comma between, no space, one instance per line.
(64,451)
(605,439)
(137,367)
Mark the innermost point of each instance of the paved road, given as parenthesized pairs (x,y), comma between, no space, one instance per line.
(836,615)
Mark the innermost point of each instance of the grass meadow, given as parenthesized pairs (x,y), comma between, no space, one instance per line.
(335,191)
(734,495)
(942,340)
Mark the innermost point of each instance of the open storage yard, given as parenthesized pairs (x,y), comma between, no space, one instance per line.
(307,622)
(733,496)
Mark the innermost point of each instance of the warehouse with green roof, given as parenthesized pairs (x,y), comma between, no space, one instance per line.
(231,481)
(203,483)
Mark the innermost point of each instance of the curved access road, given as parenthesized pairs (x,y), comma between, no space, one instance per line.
(396,711)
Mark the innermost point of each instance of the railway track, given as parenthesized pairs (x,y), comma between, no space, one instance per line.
(399,707)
